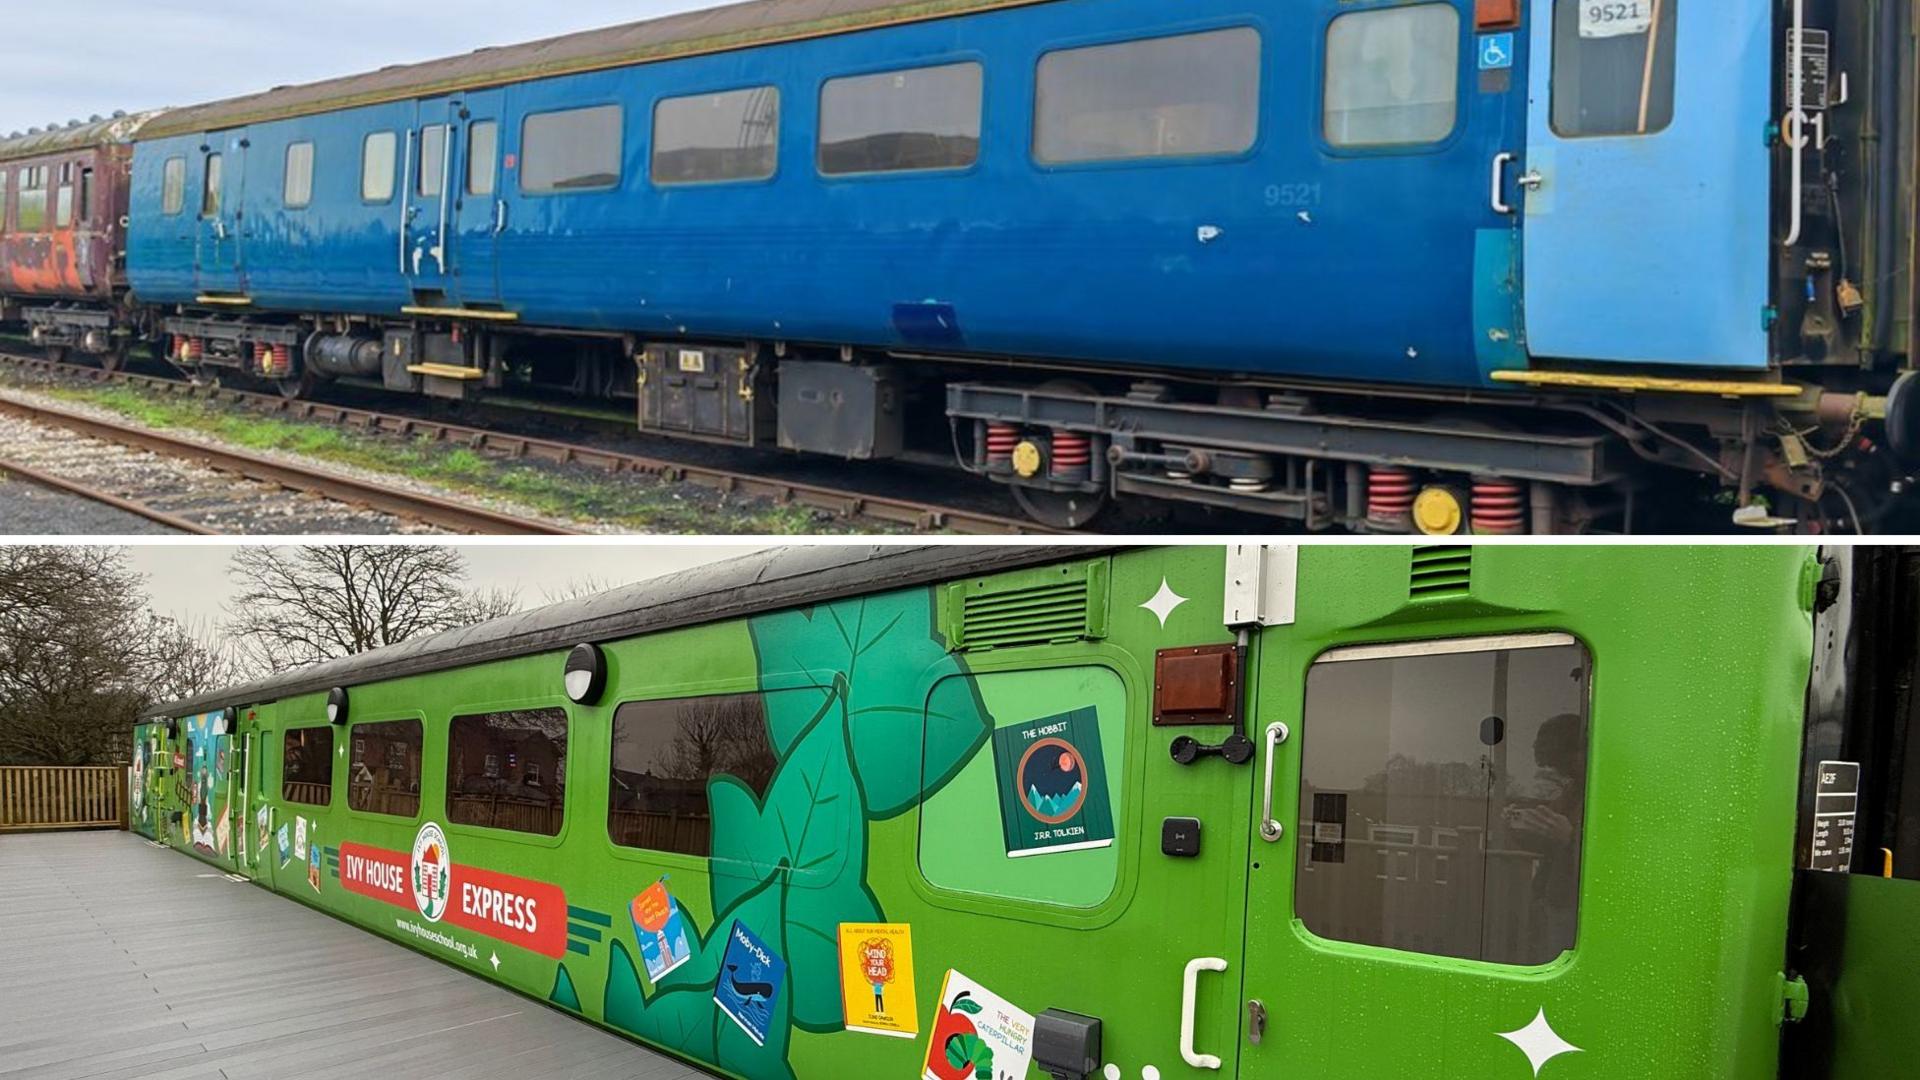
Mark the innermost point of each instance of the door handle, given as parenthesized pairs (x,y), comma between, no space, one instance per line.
(499,217)
(1270,828)
(1500,163)
(1189,1001)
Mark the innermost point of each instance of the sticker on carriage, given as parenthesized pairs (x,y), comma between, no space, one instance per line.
(1615,18)
(313,866)
(299,837)
(263,824)
(750,980)
(977,1033)
(1496,52)
(431,872)
(1053,785)
(286,845)
(660,927)
(876,979)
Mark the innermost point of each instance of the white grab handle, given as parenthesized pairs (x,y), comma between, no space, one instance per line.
(1189,999)
(1270,828)
(1500,163)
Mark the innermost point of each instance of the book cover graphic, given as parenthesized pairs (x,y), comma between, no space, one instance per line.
(751,976)
(286,846)
(263,822)
(876,979)
(313,859)
(299,838)
(661,929)
(1053,785)
(977,1035)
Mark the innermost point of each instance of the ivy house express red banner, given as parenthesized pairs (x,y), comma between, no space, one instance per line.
(518,911)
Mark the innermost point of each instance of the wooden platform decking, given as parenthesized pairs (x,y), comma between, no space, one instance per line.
(121,960)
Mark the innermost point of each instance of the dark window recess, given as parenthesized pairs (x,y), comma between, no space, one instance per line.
(1443,799)
(508,770)
(86,195)
(665,753)
(383,775)
(715,137)
(579,150)
(211,187)
(306,770)
(1613,67)
(1186,96)
(897,121)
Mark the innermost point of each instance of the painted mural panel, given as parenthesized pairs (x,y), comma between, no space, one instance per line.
(209,825)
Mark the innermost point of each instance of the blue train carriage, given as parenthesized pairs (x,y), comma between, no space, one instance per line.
(1448,266)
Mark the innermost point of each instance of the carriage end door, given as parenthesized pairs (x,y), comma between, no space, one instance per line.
(479,201)
(219,250)
(427,204)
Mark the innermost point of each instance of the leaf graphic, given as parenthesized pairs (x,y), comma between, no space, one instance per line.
(969,1006)
(970,1050)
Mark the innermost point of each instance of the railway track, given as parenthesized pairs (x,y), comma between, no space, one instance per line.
(840,502)
(210,490)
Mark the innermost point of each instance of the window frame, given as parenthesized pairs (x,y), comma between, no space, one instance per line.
(492,832)
(332,740)
(494,173)
(655,856)
(1132,36)
(173,203)
(780,130)
(393,167)
(520,153)
(63,196)
(6,199)
(213,197)
(1463,89)
(353,734)
(445,172)
(895,67)
(287,175)
(32,175)
(84,194)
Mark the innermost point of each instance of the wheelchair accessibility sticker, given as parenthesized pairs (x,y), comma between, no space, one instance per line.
(1496,52)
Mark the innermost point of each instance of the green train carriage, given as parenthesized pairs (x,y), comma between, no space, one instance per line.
(1259,811)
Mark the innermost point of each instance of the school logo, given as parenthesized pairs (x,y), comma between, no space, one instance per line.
(432,872)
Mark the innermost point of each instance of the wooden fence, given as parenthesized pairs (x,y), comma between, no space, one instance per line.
(34,798)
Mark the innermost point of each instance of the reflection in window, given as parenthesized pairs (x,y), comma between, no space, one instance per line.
(377,157)
(664,755)
(1168,97)
(433,161)
(383,775)
(33,198)
(1613,67)
(507,770)
(901,120)
(1393,76)
(211,189)
(306,769)
(1443,798)
(579,150)
(714,137)
(173,186)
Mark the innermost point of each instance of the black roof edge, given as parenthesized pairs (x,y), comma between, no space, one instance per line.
(774,580)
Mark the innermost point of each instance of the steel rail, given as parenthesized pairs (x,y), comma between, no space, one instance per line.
(461,517)
(71,487)
(925,517)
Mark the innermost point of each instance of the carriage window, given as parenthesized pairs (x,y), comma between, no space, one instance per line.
(377,157)
(578,150)
(86,195)
(508,770)
(898,121)
(299,184)
(664,755)
(1443,797)
(714,137)
(63,199)
(33,198)
(6,182)
(383,770)
(433,161)
(1185,96)
(210,190)
(306,770)
(1613,67)
(173,186)
(483,156)
(1393,76)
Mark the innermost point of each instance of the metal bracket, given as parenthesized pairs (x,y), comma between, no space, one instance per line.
(1262,584)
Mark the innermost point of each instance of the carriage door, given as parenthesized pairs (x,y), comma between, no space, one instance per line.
(1415,880)
(218,255)
(479,202)
(428,203)
(262,818)
(1647,182)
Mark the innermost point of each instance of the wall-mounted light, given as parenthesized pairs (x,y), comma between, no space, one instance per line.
(230,721)
(586,674)
(337,705)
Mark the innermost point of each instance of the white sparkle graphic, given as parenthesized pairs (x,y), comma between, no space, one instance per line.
(1540,1042)
(1165,602)
(496,962)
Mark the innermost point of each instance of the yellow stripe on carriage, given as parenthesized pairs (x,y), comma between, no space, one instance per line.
(461,313)
(1652,384)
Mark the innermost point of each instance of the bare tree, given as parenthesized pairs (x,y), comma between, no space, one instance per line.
(580,588)
(300,606)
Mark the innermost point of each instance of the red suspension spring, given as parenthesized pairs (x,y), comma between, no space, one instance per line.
(274,361)
(192,349)
(1499,508)
(1072,456)
(1001,441)
(1390,495)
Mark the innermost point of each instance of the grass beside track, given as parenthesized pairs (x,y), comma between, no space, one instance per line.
(633,503)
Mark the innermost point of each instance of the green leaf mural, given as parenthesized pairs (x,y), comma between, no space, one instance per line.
(846,688)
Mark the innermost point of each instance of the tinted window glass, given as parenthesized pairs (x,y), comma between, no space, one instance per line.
(711,137)
(299,186)
(378,156)
(173,186)
(572,151)
(483,157)
(86,195)
(33,198)
(1393,76)
(1443,799)
(508,770)
(1167,97)
(433,161)
(306,770)
(900,120)
(383,768)
(664,755)
(210,190)
(63,199)
(1613,67)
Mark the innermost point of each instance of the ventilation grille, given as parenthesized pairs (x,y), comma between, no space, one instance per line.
(1441,573)
(1038,615)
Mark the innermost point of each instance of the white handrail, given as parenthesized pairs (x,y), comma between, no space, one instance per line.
(1796,125)
(1189,1000)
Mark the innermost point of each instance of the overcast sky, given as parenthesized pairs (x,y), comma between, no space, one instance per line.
(189,582)
(69,61)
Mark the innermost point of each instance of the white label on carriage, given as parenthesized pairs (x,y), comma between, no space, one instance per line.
(693,361)
(1615,18)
